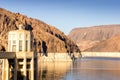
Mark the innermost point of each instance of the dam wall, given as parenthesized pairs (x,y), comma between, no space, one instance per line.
(100,54)
(58,57)
(54,57)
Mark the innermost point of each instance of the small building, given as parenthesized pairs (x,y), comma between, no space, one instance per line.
(23,66)
(19,40)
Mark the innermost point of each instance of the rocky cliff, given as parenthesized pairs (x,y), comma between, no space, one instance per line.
(109,45)
(90,36)
(54,39)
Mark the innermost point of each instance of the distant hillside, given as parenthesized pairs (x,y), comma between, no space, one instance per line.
(89,36)
(54,39)
(109,45)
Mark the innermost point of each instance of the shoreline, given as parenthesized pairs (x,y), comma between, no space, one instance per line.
(53,57)
(101,54)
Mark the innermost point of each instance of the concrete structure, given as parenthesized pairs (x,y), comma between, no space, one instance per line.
(53,57)
(20,62)
(101,54)
(19,40)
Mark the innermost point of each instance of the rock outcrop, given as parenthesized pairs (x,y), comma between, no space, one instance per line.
(88,37)
(109,45)
(54,39)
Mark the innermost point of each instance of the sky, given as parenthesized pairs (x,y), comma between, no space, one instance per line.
(68,14)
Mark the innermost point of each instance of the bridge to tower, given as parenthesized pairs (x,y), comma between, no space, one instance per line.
(19,62)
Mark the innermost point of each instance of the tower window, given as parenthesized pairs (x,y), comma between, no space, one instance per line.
(20,45)
(31,45)
(26,45)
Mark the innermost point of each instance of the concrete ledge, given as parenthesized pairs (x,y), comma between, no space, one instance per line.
(7,55)
(55,57)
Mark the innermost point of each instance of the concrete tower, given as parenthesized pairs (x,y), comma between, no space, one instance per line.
(23,65)
(19,40)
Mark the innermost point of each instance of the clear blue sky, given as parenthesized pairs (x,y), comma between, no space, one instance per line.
(68,14)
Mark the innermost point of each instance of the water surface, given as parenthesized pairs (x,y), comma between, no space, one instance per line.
(83,69)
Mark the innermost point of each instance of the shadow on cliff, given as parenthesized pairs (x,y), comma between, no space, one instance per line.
(28,27)
(44,47)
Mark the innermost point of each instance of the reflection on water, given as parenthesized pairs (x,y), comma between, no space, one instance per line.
(53,70)
(95,69)
(84,69)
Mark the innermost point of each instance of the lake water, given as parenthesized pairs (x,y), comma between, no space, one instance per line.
(83,69)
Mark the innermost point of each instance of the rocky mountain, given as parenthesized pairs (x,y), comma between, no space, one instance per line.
(90,36)
(55,40)
(109,45)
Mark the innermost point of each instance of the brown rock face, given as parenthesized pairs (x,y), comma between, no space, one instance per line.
(109,45)
(53,39)
(90,36)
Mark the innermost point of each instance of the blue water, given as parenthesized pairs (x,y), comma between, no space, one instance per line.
(84,69)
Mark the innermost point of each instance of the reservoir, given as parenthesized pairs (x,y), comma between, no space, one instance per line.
(89,68)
